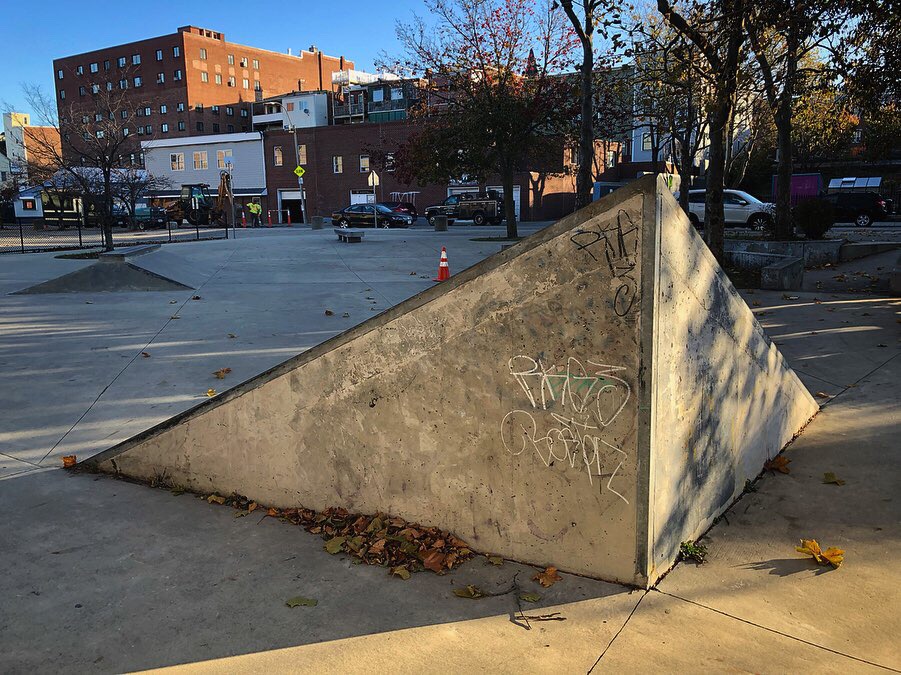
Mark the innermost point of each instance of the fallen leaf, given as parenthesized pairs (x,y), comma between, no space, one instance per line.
(241,514)
(175,316)
(232,335)
(756,303)
(778,463)
(302,602)
(471,592)
(211,392)
(146,355)
(346,315)
(177,491)
(412,274)
(88,302)
(496,560)
(335,545)
(329,312)
(831,556)
(195,297)
(251,507)
(400,571)
(221,373)
(547,578)
(529,597)
(785,296)
(823,394)
(215,498)
(434,560)
(831,478)
(68,461)
(272,512)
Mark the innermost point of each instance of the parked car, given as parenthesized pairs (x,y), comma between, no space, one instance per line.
(146,217)
(740,208)
(860,208)
(402,207)
(361,215)
(481,208)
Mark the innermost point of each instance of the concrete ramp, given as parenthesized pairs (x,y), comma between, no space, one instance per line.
(137,268)
(588,398)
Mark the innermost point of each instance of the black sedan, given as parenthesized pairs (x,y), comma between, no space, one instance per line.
(370,215)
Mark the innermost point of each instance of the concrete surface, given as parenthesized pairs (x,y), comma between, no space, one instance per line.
(813,252)
(784,275)
(519,404)
(165,580)
(854,250)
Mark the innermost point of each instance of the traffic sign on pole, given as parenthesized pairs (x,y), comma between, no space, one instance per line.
(373,179)
(299,172)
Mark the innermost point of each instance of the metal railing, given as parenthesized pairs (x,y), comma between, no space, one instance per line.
(27,236)
(350,109)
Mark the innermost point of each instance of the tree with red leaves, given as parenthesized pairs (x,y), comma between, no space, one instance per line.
(493,94)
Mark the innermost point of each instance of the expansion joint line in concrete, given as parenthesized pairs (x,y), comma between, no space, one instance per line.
(134,358)
(778,632)
(621,629)
(361,280)
(860,379)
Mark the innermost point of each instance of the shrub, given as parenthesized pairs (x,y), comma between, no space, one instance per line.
(814,217)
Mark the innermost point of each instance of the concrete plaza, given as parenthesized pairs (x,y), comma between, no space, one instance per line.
(104,575)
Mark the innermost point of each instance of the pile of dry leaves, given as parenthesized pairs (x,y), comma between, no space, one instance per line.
(375,540)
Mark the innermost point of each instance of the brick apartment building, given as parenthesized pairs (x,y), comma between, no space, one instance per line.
(27,144)
(188,83)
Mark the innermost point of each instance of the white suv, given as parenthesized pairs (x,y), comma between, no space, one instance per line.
(740,209)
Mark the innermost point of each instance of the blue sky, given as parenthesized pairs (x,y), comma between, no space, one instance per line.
(359,30)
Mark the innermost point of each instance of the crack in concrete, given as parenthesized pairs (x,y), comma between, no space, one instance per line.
(621,629)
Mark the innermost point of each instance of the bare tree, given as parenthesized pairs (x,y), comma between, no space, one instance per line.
(95,139)
(132,184)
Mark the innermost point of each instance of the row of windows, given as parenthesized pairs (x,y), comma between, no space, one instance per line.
(338,163)
(231,60)
(245,83)
(277,159)
(122,61)
(200,158)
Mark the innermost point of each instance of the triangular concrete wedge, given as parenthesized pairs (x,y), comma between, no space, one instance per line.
(588,398)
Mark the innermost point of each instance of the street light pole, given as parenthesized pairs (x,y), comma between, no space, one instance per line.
(293,129)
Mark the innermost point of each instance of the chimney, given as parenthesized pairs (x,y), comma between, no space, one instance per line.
(289,51)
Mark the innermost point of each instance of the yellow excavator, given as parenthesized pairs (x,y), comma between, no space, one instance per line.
(197,206)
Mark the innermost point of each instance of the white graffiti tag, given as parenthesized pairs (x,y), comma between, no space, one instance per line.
(578,403)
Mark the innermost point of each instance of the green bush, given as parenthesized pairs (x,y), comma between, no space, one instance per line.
(814,217)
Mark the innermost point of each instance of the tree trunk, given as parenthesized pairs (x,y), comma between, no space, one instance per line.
(509,206)
(584,183)
(686,162)
(106,214)
(714,214)
(784,229)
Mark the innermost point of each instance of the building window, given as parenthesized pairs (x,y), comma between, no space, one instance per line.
(79,70)
(164,109)
(203,54)
(337,164)
(199,107)
(397,93)
(229,111)
(289,106)
(106,64)
(123,84)
(611,159)
(138,81)
(62,95)
(100,133)
(301,154)
(95,88)
(136,59)
(59,74)
(364,163)
(148,129)
(147,111)
(646,141)
(200,126)
(177,75)
(215,127)
(123,114)
(218,78)
(231,128)
(389,162)
(257,86)
(121,61)
(98,117)
(256,64)
(243,62)
(181,125)
(378,95)
(29,205)
(179,107)
(245,83)
(160,78)
(125,131)
(214,109)
(82,91)
(200,160)
(277,155)
(223,156)
(243,112)
(176,52)
(204,76)
(164,128)
(177,161)
(231,81)
(109,86)
(231,59)
(94,67)
(159,54)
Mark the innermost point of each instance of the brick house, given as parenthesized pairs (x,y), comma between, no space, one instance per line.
(192,81)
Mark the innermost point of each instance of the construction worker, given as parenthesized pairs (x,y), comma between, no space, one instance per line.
(255,211)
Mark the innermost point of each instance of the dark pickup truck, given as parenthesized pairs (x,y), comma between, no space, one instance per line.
(481,208)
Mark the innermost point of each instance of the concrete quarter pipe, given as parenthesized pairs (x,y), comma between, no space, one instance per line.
(588,398)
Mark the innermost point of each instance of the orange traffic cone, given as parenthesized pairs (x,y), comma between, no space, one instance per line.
(443,269)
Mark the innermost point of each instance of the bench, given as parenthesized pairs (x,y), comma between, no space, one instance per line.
(349,236)
(120,254)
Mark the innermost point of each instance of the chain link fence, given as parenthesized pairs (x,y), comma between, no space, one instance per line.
(42,235)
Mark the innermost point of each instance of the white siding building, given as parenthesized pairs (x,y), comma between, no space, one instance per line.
(201,159)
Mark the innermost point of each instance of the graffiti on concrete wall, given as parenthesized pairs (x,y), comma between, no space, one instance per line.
(616,244)
(569,409)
